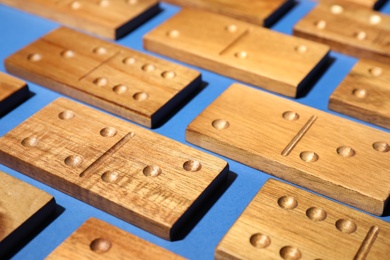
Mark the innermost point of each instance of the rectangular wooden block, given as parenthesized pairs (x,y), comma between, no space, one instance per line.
(364,34)
(141,177)
(259,12)
(108,18)
(23,208)
(308,147)
(96,239)
(259,56)
(13,91)
(126,82)
(284,222)
(365,93)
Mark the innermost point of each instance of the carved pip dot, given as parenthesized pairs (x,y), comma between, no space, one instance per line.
(68,54)
(152,171)
(119,89)
(192,166)
(290,115)
(34,57)
(100,50)
(346,226)
(132,2)
(290,253)
(375,19)
(309,156)
(241,54)
(336,9)
(259,240)
(173,33)
(316,214)
(381,147)
(220,124)
(73,160)
(168,74)
(321,24)
(129,61)
(287,202)
(301,49)
(148,67)
(108,132)
(140,96)
(360,35)
(30,141)
(231,28)
(346,151)
(110,176)
(359,93)
(75,5)
(66,115)
(104,3)
(100,245)
(101,82)
(375,71)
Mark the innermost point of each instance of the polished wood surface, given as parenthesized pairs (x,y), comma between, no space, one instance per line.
(13,91)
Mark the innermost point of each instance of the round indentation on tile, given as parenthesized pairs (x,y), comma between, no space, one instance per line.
(119,89)
(100,82)
(173,33)
(110,176)
(316,214)
(375,19)
(140,96)
(359,93)
(321,24)
(100,245)
(104,3)
(66,115)
(30,141)
(346,226)
(346,151)
(129,61)
(308,156)
(361,35)
(375,71)
(168,74)
(148,67)
(73,160)
(220,124)
(241,54)
(301,48)
(192,166)
(287,202)
(132,2)
(100,50)
(259,240)
(231,28)
(290,115)
(34,57)
(75,5)
(381,147)
(290,253)
(108,132)
(152,170)
(67,54)
(336,9)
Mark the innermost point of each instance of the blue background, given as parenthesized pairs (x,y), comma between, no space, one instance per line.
(18,29)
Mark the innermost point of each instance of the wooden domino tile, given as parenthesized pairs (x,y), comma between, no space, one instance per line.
(259,12)
(125,82)
(141,177)
(13,91)
(308,147)
(108,18)
(236,49)
(364,34)
(365,93)
(23,208)
(373,4)
(284,222)
(96,239)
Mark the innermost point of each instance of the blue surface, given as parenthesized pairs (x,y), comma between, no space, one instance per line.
(18,29)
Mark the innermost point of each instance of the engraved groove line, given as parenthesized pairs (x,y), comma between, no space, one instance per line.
(234,42)
(101,64)
(367,243)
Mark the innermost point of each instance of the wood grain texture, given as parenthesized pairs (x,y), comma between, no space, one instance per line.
(308,147)
(365,93)
(108,18)
(141,177)
(373,4)
(259,12)
(236,49)
(13,91)
(126,82)
(284,222)
(23,208)
(364,34)
(96,239)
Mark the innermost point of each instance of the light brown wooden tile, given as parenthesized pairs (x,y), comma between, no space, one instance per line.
(328,154)
(96,239)
(23,208)
(236,49)
(108,18)
(259,12)
(126,82)
(13,91)
(284,222)
(348,28)
(373,4)
(141,177)
(365,93)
